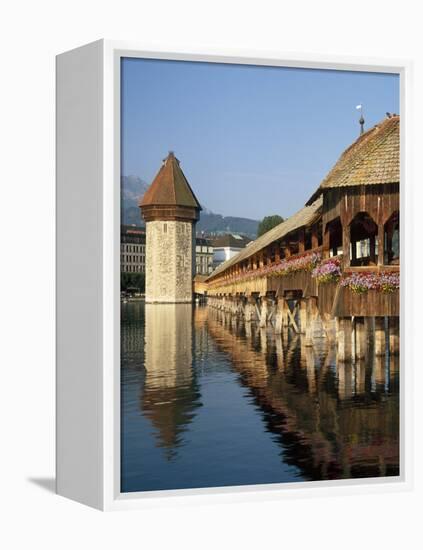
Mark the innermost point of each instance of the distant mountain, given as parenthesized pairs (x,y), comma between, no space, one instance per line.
(217,224)
(133,188)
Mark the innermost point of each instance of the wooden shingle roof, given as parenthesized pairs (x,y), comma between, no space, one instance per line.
(303,217)
(373,159)
(170,187)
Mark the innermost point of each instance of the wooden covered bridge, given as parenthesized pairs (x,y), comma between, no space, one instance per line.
(335,263)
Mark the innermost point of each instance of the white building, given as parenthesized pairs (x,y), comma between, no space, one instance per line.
(227,246)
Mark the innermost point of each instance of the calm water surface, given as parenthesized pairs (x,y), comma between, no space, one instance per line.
(208,401)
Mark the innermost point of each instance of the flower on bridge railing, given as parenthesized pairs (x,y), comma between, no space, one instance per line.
(389,282)
(362,282)
(303,263)
(328,271)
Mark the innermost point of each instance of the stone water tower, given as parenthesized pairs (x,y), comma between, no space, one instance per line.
(170,210)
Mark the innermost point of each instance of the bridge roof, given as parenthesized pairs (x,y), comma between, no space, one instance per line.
(170,187)
(303,217)
(373,159)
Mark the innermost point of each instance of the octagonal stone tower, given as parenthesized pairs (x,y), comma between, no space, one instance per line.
(170,210)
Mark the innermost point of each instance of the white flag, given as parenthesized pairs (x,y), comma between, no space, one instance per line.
(359,106)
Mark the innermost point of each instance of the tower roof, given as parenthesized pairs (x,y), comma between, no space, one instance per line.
(170,187)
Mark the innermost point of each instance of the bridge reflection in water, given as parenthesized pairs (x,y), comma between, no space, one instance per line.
(208,400)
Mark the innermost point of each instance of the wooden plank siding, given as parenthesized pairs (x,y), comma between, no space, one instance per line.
(369,304)
(339,301)
(301,281)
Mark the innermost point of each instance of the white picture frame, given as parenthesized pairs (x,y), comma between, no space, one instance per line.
(88,274)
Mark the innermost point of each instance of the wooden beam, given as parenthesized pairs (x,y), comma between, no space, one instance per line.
(314,236)
(346,244)
(301,240)
(292,319)
(326,244)
(380,244)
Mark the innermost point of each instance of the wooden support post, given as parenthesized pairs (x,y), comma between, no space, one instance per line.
(394,335)
(344,338)
(379,370)
(263,340)
(311,371)
(311,312)
(369,323)
(303,315)
(326,242)
(280,361)
(263,312)
(329,326)
(346,245)
(279,316)
(345,386)
(360,338)
(353,253)
(360,376)
(250,309)
(373,248)
(380,244)
(272,304)
(284,309)
(380,342)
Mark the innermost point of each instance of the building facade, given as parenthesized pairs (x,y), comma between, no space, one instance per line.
(170,210)
(203,256)
(132,249)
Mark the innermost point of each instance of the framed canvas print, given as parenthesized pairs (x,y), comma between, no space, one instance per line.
(229,308)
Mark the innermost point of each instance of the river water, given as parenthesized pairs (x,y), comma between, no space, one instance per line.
(208,401)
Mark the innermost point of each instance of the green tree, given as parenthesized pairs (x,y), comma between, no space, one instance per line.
(267,223)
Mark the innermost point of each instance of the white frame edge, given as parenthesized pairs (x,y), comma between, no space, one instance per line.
(73,137)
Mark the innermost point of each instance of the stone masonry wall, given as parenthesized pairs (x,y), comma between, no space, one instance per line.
(169,262)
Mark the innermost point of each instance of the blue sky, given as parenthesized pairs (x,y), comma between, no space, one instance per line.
(252,141)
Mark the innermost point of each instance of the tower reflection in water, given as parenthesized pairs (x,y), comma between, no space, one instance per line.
(316,419)
(170,394)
